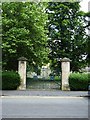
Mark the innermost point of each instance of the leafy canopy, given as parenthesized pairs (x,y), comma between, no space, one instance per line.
(67,36)
(24,33)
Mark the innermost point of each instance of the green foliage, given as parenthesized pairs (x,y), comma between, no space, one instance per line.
(67,33)
(10,80)
(0,80)
(87,25)
(56,78)
(79,81)
(24,33)
(87,15)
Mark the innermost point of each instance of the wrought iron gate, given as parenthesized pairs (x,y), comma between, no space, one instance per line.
(46,84)
(47,79)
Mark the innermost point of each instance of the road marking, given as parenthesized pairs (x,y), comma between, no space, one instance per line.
(42,97)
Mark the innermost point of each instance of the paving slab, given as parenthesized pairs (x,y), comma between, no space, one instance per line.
(43,93)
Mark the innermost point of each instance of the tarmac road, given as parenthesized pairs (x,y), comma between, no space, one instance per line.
(44,107)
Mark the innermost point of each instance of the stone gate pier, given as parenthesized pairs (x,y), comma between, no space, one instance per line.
(22,72)
(65,67)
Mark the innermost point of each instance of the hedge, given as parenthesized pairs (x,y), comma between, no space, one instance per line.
(10,80)
(0,80)
(79,81)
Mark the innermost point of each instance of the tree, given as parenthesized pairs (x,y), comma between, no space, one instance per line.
(87,20)
(67,36)
(87,26)
(24,33)
(0,42)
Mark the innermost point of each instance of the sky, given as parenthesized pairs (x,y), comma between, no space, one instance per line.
(84,5)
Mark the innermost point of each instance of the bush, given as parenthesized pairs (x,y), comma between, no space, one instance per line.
(10,80)
(79,81)
(0,80)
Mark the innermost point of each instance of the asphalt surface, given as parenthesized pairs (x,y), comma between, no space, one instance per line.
(44,107)
(43,93)
(44,104)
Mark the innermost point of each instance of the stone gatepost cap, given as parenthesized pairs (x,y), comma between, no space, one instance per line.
(65,60)
(22,59)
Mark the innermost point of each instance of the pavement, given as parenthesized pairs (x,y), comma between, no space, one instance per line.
(45,93)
